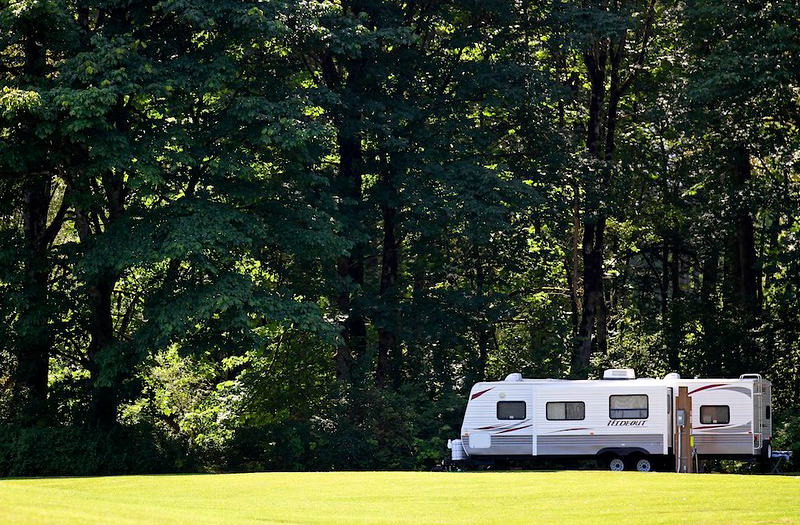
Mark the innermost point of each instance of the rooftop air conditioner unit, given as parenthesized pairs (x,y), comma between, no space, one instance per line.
(619,373)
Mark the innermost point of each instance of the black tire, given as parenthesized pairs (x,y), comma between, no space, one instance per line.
(639,463)
(766,451)
(645,464)
(616,464)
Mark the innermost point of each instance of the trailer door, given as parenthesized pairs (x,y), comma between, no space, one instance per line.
(670,421)
(533,415)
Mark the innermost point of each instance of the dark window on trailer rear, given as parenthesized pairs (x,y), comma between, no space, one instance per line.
(511,410)
(715,414)
(566,411)
(628,407)
(768,414)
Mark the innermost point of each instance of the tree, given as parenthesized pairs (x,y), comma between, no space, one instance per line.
(613,40)
(31,188)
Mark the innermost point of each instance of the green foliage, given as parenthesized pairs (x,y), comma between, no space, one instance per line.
(291,235)
(361,430)
(75,451)
(787,437)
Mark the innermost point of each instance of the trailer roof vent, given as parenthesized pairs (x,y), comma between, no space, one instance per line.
(672,375)
(619,373)
(516,376)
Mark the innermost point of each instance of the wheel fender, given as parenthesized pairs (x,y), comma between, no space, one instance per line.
(622,451)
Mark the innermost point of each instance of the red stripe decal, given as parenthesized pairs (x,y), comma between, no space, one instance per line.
(479,394)
(513,429)
(486,428)
(704,387)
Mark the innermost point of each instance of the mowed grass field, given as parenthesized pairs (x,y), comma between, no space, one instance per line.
(405,497)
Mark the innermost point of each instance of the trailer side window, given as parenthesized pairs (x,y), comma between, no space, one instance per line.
(715,414)
(511,410)
(628,407)
(566,410)
(767,415)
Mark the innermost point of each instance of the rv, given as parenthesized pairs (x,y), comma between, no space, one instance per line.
(624,422)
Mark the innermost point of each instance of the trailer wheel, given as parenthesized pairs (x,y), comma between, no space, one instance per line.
(616,464)
(644,465)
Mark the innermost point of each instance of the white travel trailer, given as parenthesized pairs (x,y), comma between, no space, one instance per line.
(625,422)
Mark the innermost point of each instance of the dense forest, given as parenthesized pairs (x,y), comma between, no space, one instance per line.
(291,234)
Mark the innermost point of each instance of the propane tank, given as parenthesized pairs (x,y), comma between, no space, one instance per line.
(457,452)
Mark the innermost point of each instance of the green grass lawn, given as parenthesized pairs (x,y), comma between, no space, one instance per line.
(405,497)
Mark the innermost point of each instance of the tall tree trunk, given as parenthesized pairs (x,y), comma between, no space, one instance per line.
(32,349)
(664,285)
(708,288)
(594,314)
(33,345)
(745,274)
(100,288)
(708,313)
(744,262)
(594,305)
(101,285)
(103,410)
(483,353)
(770,244)
(573,264)
(593,309)
(595,61)
(573,297)
(350,267)
(414,359)
(483,332)
(388,347)
(675,323)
